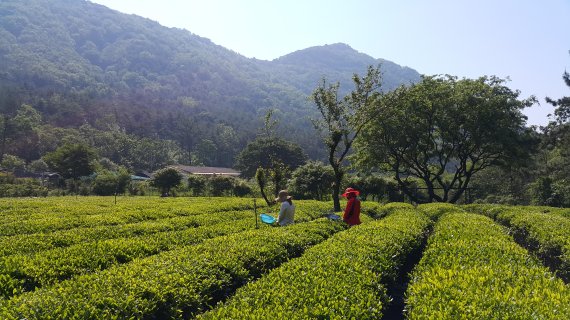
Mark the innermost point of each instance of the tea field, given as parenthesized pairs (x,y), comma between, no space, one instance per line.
(208,258)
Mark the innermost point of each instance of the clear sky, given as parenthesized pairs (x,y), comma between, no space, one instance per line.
(525,40)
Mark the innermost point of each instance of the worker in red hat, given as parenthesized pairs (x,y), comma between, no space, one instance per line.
(352,211)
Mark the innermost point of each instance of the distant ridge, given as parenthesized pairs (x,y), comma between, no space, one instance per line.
(81,63)
(338,62)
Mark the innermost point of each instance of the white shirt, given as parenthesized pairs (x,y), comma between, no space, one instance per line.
(286,214)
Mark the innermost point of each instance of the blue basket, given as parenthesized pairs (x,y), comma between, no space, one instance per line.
(265,218)
(333,216)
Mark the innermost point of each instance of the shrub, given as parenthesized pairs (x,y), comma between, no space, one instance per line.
(165,179)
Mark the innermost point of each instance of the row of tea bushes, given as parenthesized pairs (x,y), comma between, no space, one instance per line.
(437,209)
(37,242)
(344,277)
(545,231)
(69,213)
(41,241)
(174,284)
(19,273)
(25,272)
(472,269)
(547,234)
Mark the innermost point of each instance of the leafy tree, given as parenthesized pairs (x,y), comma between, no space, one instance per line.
(23,139)
(270,158)
(197,184)
(541,192)
(342,120)
(107,164)
(442,131)
(312,180)
(38,166)
(51,138)
(374,187)
(220,185)
(8,107)
(206,153)
(554,173)
(241,188)
(13,163)
(562,105)
(72,160)
(109,183)
(503,185)
(266,152)
(166,179)
(17,125)
(149,154)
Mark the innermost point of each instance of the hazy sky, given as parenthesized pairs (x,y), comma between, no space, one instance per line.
(526,40)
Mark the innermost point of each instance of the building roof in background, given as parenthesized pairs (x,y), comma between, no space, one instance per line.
(207,170)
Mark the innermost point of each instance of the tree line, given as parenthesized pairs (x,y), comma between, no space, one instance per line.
(432,141)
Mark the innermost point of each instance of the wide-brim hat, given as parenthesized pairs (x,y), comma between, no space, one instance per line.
(283,195)
(350,191)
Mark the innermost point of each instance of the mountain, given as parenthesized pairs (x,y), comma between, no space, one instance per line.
(80,63)
(338,62)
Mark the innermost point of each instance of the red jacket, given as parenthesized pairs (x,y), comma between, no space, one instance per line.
(352,212)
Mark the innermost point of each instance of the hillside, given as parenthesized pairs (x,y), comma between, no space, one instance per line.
(337,62)
(81,63)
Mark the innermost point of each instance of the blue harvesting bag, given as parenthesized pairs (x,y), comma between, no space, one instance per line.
(265,218)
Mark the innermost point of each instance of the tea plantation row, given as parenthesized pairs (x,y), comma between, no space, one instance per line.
(204,257)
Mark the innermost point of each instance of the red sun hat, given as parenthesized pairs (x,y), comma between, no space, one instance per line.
(349,191)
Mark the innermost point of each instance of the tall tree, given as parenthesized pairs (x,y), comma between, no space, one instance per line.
(267,153)
(166,179)
(72,160)
(269,157)
(312,180)
(342,120)
(17,124)
(556,155)
(562,105)
(442,131)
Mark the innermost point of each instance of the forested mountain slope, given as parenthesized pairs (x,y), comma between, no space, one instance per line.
(82,64)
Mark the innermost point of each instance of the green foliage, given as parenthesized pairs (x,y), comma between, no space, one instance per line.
(30,216)
(50,266)
(473,269)
(78,61)
(442,131)
(266,153)
(13,187)
(80,257)
(555,156)
(186,282)
(341,121)
(13,163)
(197,184)
(345,277)
(166,179)
(312,180)
(543,231)
(17,127)
(436,210)
(72,160)
(38,166)
(220,185)
(241,188)
(542,193)
(375,187)
(107,183)
(503,185)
